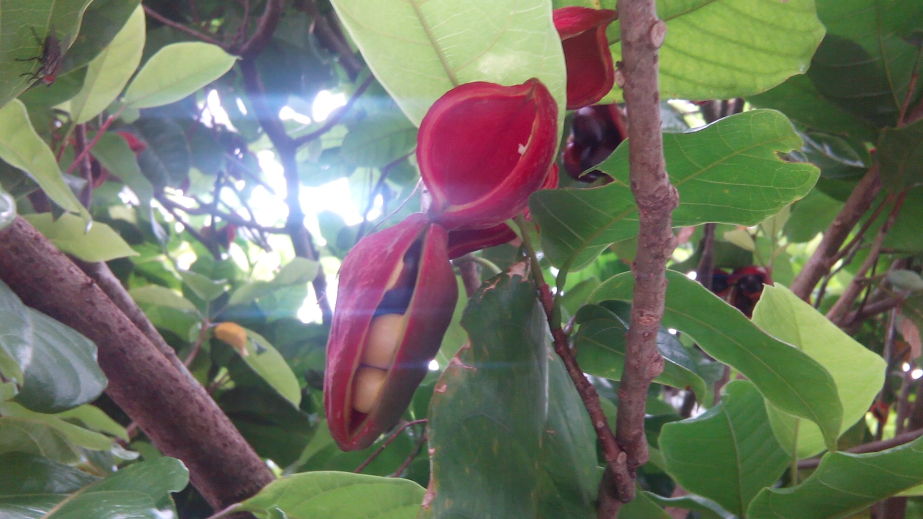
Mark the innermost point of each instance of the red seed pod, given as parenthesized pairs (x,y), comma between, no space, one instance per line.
(594,136)
(484,148)
(463,241)
(590,74)
(395,299)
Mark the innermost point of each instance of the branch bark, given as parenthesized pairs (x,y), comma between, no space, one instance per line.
(174,412)
(825,255)
(642,35)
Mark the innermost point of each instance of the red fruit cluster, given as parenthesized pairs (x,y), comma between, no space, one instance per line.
(482,149)
(742,288)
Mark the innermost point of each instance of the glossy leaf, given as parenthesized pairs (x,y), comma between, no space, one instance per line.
(16,331)
(600,344)
(858,373)
(101,22)
(100,243)
(731,443)
(19,42)
(165,161)
(161,296)
(484,439)
(717,49)
(642,507)
(109,72)
(843,484)
(420,50)
(265,360)
(176,71)
(48,434)
(337,495)
(297,271)
(727,172)
(7,208)
(22,148)
(139,491)
(777,369)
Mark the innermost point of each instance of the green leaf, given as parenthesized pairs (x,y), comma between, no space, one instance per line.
(139,491)
(176,71)
(156,295)
(206,289)
(16,332)
(165,161)
(569,477)
(642,507)
(48,434)
(484,435)
(866,61)
(114,154)
(799,99)
(58,364)
(110,71)
(731,443)
(600,344)
(901,156)
(269,364)
(777,369)
(717,49)
(337,495)
(706,508)
(100,243)
(858,373)
(727,172)
(420,50)
(843,484)
(22,148)
(24,473)
(17,23)
(101,22)
(298,271)
(379,140)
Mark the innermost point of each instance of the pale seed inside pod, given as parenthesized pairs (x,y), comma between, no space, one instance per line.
(384,336)
(367,384)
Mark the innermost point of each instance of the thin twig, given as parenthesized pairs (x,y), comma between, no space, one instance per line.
(200,339)
(387,442)
(875,446)
(335,118)
(99,135)
(410,457)
(264,29)
(182,28)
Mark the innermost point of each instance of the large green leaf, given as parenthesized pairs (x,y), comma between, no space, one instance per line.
(419,50)
(729,48)
(487,412)
(867,59)
(731,443)
(110,71)
(51,435)
(266,361)
(786,376)
(176,71)
(900,154)
(16,332)
(99,243)
(18,42)
(61,370)
(114,154)
(799,99)
(726,172)
(139,491)
(379,140)
(101,22)
(336,495)
(569,477)
(857,372)
(22,148)
(600,344)
(843,484)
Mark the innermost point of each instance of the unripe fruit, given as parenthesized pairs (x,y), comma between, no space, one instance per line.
(384,337)
(233,334)
(367,386)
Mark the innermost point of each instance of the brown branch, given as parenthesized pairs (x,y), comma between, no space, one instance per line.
(470,273)
(335,118)
(397,432)
(876,446)
(329,35)
(642,35)
(209,245)
(175,413)
(837,312)
(264,29)
(822,259)
(286,148)
(182,28)
(227,217)
(86,168)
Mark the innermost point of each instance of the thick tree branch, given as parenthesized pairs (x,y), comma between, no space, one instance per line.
(642,35)
(174,412)
(825,255)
